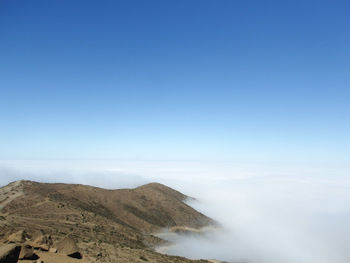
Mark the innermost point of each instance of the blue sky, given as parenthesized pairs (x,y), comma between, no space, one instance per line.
(175,80)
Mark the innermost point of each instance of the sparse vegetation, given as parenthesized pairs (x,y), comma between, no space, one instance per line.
(116,223)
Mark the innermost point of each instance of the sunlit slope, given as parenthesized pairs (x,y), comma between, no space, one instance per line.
(100,220)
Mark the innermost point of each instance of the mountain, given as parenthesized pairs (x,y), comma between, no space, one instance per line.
(95,224)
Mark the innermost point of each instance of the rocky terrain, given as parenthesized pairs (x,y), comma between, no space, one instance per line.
(42,222)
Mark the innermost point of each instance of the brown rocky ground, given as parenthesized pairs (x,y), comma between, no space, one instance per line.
(104,225)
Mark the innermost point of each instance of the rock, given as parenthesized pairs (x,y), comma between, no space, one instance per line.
(18,237)
(41,241)
(39,234)
(67,246)
(53,250)
(9,253)
(27,252)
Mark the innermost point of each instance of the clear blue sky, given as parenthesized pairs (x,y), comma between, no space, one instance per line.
(182,80)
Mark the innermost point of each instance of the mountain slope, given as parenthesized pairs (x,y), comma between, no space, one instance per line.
(109,223)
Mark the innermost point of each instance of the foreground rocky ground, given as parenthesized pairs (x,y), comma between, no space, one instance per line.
(76,223)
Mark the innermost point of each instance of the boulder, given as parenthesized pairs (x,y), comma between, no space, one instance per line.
(68,246)
(9,253)
(53,250)
(41,241)
(17,237)
(37,235)
(27,252)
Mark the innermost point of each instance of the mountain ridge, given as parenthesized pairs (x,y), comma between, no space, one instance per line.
(101,221)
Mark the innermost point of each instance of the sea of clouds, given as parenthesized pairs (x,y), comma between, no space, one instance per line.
(269,213)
